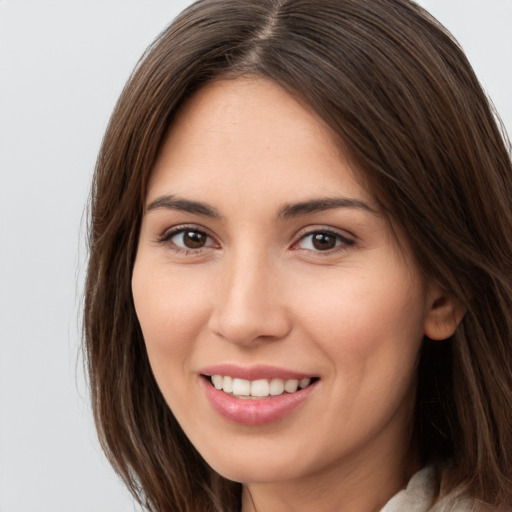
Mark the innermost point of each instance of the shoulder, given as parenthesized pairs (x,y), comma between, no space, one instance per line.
(417,496)
(462,503)
(420,496)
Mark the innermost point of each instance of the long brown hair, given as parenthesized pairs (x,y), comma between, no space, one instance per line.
(404,101)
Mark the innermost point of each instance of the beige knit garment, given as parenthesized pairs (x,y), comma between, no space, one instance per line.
(419,494)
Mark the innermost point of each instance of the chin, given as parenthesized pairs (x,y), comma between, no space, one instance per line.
(264,467)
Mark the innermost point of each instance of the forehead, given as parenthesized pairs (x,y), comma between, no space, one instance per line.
(246,130)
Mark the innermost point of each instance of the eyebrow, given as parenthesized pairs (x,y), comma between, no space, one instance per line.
(184,205)
(320,205)
(170,202)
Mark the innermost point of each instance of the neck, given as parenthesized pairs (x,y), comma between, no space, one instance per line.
(353,486)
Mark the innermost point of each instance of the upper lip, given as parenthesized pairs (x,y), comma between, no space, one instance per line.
(254,372)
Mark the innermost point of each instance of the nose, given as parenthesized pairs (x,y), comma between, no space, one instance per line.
(250,307)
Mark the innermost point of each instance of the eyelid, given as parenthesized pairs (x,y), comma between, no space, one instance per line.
(169,233)
(347,238)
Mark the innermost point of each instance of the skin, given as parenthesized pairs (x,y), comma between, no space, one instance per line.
(259,291)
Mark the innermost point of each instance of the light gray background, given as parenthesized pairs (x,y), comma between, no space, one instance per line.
(63,64)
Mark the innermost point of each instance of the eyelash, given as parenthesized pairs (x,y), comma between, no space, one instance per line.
(166,239)
(342,242)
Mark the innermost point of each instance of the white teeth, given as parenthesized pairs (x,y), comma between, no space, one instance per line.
(217,381)
(228,384)
(276,387)
(304,383)
(290,386)
(260,388)
(241,387)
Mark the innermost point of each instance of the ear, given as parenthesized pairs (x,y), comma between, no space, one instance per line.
(444,315)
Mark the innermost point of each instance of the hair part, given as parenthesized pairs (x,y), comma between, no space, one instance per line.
(400,95)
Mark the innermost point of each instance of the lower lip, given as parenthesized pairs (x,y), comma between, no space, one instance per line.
(255,412)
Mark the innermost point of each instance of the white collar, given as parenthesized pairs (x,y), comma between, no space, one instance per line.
(418,495)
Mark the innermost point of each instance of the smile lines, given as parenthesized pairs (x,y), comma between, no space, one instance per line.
(260,388)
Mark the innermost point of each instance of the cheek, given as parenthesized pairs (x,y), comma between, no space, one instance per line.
(171,313)
(370,330)
(368,322)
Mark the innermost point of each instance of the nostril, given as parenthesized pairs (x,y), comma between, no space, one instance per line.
(249,327)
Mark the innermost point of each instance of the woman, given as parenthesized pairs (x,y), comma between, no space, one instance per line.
(300,282)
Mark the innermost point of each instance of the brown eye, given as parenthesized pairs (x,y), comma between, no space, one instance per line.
(323,241)
(194,239)
(188,239)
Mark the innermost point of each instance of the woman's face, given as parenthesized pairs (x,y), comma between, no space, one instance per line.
(264,263)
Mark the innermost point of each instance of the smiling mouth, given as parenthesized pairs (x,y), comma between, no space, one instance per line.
(260,388)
